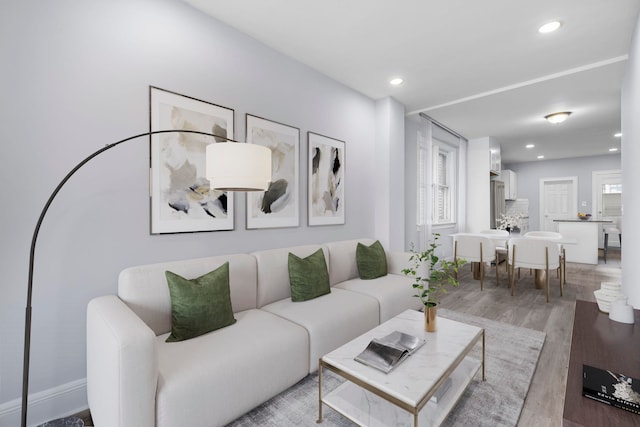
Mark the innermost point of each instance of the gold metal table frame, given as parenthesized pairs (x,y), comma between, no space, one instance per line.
(415,411)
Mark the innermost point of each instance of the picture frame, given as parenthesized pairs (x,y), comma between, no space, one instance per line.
(277,207)
(181,199)
(326,180)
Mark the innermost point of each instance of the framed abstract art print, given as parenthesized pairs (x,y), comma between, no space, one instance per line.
(279,205)
(326,166)
(181,200)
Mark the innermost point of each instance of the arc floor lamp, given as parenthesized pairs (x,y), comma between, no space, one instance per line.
(230,166)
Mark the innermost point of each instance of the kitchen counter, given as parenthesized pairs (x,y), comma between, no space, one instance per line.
(585,232)
(582,220)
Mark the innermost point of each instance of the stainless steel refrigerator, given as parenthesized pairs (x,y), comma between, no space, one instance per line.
(498,206)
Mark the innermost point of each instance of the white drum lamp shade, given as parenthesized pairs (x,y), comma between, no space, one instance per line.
(233,166)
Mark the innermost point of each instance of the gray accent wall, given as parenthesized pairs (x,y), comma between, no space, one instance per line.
(75,77)
(530,173)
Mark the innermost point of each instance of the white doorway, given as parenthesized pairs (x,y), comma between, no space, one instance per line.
(607,201)
(558,200)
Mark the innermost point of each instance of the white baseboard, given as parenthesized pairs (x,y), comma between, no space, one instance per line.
(57,402)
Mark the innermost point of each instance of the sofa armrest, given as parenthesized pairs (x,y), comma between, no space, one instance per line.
(122,365)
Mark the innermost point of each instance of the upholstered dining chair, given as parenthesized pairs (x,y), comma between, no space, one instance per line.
(537,254)
(500,244)
(552,235)
(474,248)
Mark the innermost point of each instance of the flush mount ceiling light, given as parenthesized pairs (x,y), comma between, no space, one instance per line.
(529,146)
(558,117)
(396,81)
(549,27)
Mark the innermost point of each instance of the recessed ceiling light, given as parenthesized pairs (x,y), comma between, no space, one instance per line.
(396,81)
(613,149)
(549,27)
(617,135)
(541,157)
(558,117)
(529,146)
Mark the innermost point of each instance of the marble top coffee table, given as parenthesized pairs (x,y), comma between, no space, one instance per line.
(405,396)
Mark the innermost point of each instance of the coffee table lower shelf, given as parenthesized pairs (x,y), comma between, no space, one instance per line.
(349,400)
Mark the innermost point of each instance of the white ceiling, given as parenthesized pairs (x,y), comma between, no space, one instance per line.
(478,67)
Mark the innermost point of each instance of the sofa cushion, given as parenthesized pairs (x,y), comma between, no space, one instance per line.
(308,276)
(273,271)
(342,259)
(199,305)
(144,288)
(215,378)
(393,292)
(330,320)
(371,260)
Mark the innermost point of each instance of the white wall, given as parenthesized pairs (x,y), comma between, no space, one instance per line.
(389,197)
(530,173)
(631,172)
(413,127)
(478,185)
(75,77)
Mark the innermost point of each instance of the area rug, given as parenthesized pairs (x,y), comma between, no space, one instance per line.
(511,358)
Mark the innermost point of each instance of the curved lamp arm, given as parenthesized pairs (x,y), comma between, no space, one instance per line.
(27,322)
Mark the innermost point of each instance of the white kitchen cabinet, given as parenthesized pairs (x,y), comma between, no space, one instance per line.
(510,179)
(495,160)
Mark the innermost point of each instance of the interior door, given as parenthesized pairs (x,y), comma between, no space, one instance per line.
(558,200)
(607,200)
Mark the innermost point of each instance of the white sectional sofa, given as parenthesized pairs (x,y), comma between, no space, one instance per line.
(135,378)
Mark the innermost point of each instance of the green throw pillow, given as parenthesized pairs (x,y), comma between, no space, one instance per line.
(371,261)
(308,276)
(199,305)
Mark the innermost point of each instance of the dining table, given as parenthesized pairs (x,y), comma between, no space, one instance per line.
(540,276)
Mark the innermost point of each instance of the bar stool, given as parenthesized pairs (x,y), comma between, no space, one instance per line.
(613,231)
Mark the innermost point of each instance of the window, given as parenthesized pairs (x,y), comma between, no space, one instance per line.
(441,159)
(443,183)
(611,200)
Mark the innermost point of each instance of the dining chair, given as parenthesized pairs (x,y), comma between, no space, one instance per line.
(474,248)
(552,235)
(500,244)
(537,254)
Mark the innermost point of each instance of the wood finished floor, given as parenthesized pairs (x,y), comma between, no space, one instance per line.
(528,308)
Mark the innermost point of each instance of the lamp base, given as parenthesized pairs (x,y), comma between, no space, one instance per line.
(64,422)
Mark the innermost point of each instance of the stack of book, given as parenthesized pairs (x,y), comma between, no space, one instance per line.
(614,389)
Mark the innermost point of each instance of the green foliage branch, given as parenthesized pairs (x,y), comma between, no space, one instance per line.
(431,274)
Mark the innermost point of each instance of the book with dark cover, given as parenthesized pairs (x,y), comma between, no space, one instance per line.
(387,352)
(611,388)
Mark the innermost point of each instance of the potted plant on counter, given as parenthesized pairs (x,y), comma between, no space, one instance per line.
(431,276)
